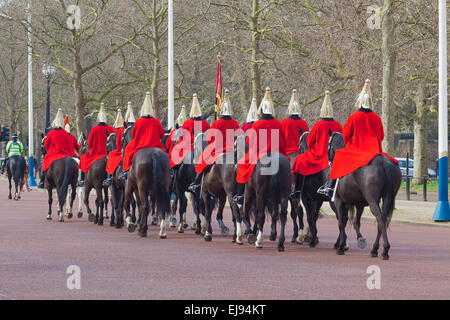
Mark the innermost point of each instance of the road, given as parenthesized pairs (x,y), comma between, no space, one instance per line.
(114,264)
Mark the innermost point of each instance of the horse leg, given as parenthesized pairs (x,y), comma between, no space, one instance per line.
(302,234)
(10,186)
(260,218)
(50,201)
(342,217)
(143,212)
(80,192)
(114,205)
(106,200)
(154,215)
(294,208)
(283,219)
(162,226)
(223,228)
(381,221)
(87,190)
(129,200)
(183,206)
(208,207)
(313,225)
(356,225)
(73,194)
(237,219)
(273,226)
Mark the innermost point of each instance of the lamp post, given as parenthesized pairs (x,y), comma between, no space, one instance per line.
(48,70)
(170,116)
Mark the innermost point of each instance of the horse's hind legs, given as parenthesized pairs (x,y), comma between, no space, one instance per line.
(50,201)
(362,243)
(376,211)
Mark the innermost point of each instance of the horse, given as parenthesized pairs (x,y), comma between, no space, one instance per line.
(15,169)
(149,172)
(380,179)
(117,189)
(94,180)
(61,174)
(260,191)
(219,182)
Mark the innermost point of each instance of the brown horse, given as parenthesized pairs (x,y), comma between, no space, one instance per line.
(366,186)
(94,180)
(149,172)
(61,174)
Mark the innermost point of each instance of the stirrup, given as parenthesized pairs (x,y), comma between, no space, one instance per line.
(41,185)
(294,194)
(193,188)
(239,199)
(326,191)
(123,175)
(106,182)
(81,183)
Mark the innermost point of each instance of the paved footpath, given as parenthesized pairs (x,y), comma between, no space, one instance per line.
(114,264)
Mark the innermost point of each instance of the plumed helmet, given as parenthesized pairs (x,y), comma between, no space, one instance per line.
(182,117)
(118,123)
(294,105)
(252,114)
(129,115)
(67,125)
(327,109)
(59,119)
(266,106)
(365,97)
(147,107)
(196,111)
(225,108)
(101,117)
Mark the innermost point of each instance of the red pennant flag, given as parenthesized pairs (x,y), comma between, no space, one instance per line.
(219,91)
(67,126)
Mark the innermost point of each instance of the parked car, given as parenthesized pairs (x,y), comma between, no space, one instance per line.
(402,165)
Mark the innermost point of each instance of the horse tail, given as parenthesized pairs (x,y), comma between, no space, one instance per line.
(351,214)
(389,198)
(159,188)
(277,189)
(65,183)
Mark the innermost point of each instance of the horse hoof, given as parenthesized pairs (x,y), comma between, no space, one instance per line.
(225,231)
(239,241)
(374,254)
(273,237)
(340,252)
(258,246)
(194,226)
(312,244)
(362,243)
(131,228)
(70,216)
(171,225)
(163,236)
(280,249)
(49,217)
(208,238)
(251,239)
(173,221)
(294,239)
(142,235)
(80,215)
(100,223)
(198,231)
(9,197)
(91,218)
(185,226)
(385,256)
(180,229)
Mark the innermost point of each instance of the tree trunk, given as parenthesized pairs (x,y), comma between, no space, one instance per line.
(156,64)
(80,104)
(389,57)
(254,68)
(420,137)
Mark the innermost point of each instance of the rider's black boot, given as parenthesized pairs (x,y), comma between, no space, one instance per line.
(107,182)
(298,186)
(239,197)
(81,182)
(195,185)
(328,188)
(41,184)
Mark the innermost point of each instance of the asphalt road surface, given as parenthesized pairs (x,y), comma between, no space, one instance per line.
(35,255)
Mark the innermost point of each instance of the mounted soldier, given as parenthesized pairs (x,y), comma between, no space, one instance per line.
(315,159)
(76,146)
(115,156)
(97,144)
(13,148)
(147,133)
(293,126)
(268,128)
(220,139)
(363,133)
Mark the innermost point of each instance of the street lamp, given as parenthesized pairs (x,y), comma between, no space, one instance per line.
(48,70)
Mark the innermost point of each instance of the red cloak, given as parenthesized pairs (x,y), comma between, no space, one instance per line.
(363,134)
(261,129)
(184,146)
(97,146)
(223,129)
(76,146)
(315,159)
(115,156)
(58,145)
(247,126)
(291,129)
(147,133)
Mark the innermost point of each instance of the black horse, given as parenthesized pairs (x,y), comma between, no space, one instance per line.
(380,179)
(15,169)
(149,172)
(117,189)
(270,183)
